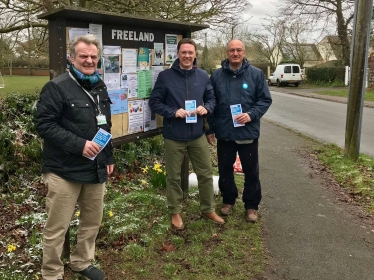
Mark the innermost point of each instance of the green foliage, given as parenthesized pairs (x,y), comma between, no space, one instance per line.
(132,156)
(321,75)
(156,175)
(20,147)
(207,63)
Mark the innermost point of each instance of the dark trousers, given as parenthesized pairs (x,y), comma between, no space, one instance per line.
(248,154)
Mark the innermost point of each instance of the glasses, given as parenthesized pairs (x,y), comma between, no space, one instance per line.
(235,50)
(187,53)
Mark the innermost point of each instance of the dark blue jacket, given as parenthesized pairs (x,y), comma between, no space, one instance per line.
(247,87)
(173,87)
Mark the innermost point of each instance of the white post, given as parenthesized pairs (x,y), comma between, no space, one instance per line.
(268,71)
(346,78)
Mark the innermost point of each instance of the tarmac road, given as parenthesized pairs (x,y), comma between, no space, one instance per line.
(309,233)
(319,119)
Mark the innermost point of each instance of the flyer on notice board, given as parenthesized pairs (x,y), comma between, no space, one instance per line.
(101,138)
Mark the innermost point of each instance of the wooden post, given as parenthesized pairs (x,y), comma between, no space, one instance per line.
(359,58)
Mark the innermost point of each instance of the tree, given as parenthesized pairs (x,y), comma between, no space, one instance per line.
(23,13)
(315,12)
(269,40)
(294,44)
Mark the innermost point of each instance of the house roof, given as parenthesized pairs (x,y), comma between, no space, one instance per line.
(310,51)
(333,42)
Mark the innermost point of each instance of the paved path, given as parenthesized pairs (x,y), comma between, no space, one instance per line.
(308,232)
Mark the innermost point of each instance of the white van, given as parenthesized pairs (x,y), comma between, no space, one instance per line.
(286,74)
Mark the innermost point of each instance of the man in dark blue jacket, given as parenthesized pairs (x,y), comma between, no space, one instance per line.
(242,97)
(183,94)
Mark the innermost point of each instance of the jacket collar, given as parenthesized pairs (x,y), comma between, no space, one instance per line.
(241,69)
(177,68)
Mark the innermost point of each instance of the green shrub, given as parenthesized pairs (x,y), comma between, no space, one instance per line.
(20,147)
(318,75)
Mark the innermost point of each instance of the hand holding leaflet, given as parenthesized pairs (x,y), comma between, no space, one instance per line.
(190,106)
(101,138)
(236,110)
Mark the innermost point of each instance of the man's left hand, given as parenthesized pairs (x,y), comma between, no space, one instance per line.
(110,168)
(243,118)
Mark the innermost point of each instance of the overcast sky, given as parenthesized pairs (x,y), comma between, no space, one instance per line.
(260,9)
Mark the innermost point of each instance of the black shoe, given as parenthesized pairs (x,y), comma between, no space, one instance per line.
(92,273)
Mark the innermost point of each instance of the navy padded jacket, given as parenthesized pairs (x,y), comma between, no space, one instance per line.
(249,88)
(173,87)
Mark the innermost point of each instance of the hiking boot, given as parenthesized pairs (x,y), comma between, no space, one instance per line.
(213,217)
(251,215)
(226,209)
(92,273)
(176,222)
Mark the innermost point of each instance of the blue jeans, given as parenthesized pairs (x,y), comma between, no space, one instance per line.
(248,154)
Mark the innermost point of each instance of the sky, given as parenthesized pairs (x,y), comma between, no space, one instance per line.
(260,9)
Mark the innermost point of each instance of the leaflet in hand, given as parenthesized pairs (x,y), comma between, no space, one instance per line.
(236,110)
(101,138)
(190,106)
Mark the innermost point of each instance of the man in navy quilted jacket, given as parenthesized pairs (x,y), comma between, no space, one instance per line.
(183,94)
(242,97)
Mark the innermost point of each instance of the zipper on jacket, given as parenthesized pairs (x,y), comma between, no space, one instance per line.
(187,98)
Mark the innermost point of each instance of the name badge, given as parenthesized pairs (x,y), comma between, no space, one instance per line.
(101,119)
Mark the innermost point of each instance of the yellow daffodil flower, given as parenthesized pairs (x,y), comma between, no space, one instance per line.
(110,214)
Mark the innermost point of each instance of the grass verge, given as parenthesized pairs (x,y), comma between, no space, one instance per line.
(369,94)
(23,84)
(356,177)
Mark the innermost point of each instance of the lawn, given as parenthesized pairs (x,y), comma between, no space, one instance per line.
(23,84)
(343,92)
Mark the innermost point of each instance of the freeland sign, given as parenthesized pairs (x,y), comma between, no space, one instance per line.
(128,35)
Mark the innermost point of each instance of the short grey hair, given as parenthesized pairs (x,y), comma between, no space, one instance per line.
(227,45)
(89,39)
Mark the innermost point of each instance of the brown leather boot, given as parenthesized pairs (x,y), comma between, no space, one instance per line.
(251,215)
(226,209)
(176,222)
(213,217)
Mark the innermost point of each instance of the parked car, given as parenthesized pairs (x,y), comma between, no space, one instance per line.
(286,74)
(271,80)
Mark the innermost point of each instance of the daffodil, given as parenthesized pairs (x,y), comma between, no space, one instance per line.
(144,182)
(110,214)
(36,277)
(78,213)
(145,169)
(157,166)
(159,170)
(11,248)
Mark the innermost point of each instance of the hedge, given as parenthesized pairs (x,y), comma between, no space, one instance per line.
(325,74)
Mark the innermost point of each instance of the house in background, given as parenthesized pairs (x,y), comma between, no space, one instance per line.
(330,48)
(307,55)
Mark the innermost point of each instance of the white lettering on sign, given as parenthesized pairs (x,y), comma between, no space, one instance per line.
(128,35)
